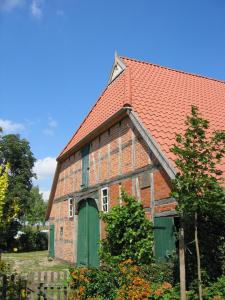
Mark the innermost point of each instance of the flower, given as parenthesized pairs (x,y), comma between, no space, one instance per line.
(166,285)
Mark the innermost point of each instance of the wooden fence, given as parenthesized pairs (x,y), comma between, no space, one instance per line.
(35,286)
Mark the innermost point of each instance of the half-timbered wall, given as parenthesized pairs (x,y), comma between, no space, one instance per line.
(118,158)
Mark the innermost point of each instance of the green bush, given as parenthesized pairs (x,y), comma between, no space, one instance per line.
(101,282)
(4,267)
(158,272)
(123,281)
(32,240)
(128,233)
(215,290)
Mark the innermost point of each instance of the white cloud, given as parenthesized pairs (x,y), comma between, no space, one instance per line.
(45,168)
(52,124)
(8,5)
(11,127)
(45,194)
(36,9)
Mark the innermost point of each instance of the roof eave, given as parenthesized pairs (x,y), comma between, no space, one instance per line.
(98,130)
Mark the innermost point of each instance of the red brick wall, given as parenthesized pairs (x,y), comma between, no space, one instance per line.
(162,185)
(116,152)
(118,142)
(64,244)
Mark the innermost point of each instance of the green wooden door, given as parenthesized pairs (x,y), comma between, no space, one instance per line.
(164,236)
(88,234)
(85,165)
(51,240)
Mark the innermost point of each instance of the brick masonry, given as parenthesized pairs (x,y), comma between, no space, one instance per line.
(116,152)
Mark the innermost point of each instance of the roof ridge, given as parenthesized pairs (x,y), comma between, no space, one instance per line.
(174,70)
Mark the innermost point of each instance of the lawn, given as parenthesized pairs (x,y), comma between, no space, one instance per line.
(26,262)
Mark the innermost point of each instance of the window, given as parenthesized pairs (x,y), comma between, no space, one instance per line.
(71,208)
(105,199)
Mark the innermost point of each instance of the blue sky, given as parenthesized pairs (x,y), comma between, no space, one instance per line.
(56,56)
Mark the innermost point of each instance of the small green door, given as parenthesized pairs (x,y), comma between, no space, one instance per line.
(51,240)
(164,236)
(85,165)
(88,234)
(93,233)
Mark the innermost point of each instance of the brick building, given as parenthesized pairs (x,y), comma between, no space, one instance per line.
(125,141)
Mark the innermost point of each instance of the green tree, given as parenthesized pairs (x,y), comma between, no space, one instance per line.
(128,233)
(3,187)
(11,213)
(17,153)
(198,183)
(36,213)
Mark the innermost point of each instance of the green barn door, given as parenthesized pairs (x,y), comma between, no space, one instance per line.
(88,234)
(85,165)
(51,240)
(164,236)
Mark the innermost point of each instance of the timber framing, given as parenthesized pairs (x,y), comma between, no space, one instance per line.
(88,192)
(144,133)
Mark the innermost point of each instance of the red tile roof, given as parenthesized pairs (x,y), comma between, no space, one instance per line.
(161,97)
(108,104)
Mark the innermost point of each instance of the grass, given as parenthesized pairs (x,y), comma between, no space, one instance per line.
(26,262)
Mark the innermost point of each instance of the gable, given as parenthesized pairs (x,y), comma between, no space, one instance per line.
(160,97)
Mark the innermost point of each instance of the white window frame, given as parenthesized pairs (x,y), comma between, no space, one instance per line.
(71,207)
(105,206)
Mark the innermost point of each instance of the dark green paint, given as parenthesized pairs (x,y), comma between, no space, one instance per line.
(164,236)
(88,234)
(51,240)
(85,165)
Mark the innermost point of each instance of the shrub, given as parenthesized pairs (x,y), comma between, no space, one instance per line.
(4,267)
(101,282)
(128,233)
(158,272)
(32,240)
(123,281)
(216,290)
(133,285)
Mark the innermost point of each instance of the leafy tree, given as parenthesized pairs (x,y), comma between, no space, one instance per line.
(197,186)
(17,153)
(11,213)
(128,233)
(36,213)
(3,188)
